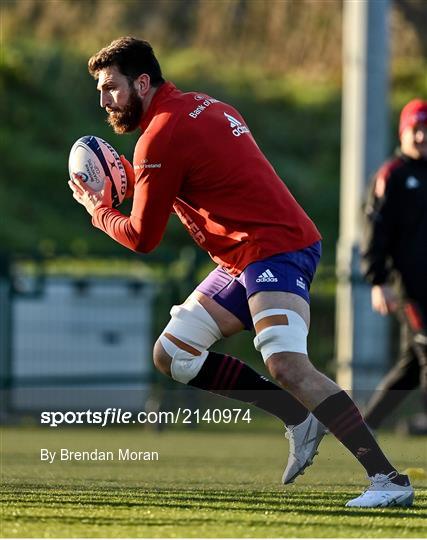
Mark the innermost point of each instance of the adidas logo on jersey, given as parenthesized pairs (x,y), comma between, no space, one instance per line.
(237,128)
(266,276)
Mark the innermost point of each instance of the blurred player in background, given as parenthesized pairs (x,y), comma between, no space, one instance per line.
(394,258)
(196,157)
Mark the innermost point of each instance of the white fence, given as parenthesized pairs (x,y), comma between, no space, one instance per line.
(81,344)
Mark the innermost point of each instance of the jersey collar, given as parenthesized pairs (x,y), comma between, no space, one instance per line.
(161,93)
(410,159)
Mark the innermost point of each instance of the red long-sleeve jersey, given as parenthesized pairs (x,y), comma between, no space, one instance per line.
(197,157)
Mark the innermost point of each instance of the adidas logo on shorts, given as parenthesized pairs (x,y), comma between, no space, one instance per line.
(300,283)
(266,276)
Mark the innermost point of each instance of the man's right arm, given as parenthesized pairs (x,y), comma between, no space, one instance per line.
(379,219)
(159,172)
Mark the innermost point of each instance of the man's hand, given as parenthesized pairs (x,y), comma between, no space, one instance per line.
(383,299)
(91,199)
(130,175)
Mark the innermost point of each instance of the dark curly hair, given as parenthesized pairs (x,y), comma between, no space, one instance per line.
(132,56)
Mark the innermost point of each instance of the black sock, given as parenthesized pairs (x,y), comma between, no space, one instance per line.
(341,416)
(227,376)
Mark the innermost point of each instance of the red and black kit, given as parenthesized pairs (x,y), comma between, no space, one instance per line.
(394,251)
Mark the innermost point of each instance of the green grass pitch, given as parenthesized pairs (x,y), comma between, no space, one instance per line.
(205,484)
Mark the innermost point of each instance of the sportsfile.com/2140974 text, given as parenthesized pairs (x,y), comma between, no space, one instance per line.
(113,416)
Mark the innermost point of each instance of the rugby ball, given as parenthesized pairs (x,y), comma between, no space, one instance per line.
(91,160)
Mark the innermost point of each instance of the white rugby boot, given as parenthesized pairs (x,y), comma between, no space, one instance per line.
(304,439)
(384,492)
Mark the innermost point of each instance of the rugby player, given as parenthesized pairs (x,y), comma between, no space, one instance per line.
(196,157)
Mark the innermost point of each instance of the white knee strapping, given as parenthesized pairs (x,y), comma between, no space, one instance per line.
(191,324)
(281,338)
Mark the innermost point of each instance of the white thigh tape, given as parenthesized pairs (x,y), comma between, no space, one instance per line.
(291,315)
(291,337)
(192,325)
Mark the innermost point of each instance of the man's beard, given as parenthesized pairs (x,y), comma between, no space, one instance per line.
(128,118)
